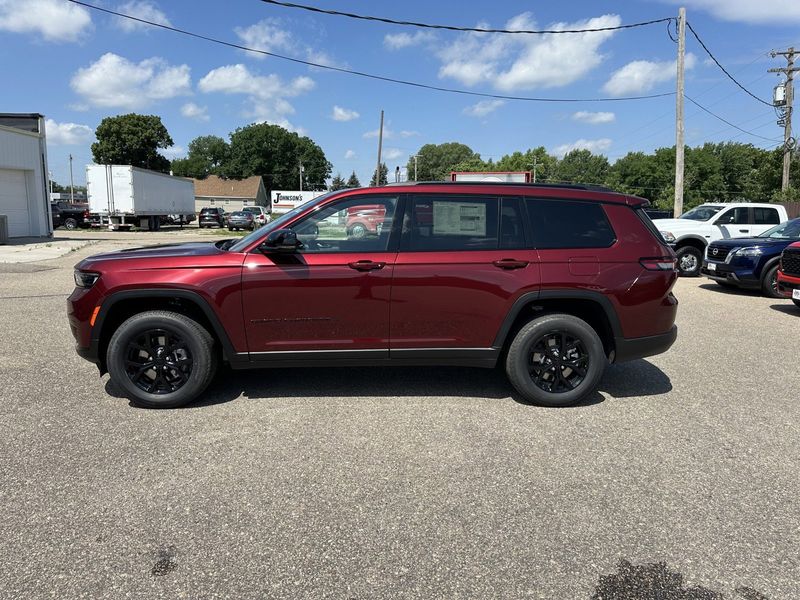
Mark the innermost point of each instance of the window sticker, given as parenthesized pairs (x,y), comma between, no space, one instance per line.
(459,218)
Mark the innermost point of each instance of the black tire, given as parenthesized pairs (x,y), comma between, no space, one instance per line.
(184,357)
(358,231)
(70,223)
(230,228)
(769,283)
(690,259)
(530,354)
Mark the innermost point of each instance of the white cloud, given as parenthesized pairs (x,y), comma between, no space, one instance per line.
(642,76)
(114,81)
(592,145)
(393,153)
(141,9)
(516,62)
(172,152)
(407,134)
(777,12)
(67,134)
(268,35)
(190,110)
(349,154)
(343,114)
(397,41)
(594,118)
(54,20)
(483,108)
(267,94)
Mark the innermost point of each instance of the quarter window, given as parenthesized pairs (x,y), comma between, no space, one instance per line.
(569,224)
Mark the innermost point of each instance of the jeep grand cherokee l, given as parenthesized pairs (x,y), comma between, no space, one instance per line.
(552,282)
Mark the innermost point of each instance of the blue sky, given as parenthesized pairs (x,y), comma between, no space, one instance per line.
(77,66)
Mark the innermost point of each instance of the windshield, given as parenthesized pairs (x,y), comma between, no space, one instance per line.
(701,213)
(785,231)
(276,224)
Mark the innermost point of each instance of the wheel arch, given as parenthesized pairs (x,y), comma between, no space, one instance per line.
(693,241)
(120,306)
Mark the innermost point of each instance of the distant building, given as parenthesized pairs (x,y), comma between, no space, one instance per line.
(230,194)
(77,197)
(23,175)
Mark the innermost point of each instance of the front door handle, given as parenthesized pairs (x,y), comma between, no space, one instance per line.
(744,231)
(510,263)
(366,265)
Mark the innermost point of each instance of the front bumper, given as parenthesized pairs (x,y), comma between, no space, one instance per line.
(787,284)
(633,348)
(728,274)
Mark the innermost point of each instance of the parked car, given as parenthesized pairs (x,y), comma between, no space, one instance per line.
(241,219)
(212,216)
(260,214)
(789,273)
(365,220)
(553,282)
(694,230)
(751,262)
(71,216)
(179,219)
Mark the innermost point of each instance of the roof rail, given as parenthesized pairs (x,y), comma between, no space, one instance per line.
(569,186)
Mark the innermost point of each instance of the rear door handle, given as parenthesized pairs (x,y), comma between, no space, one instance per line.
(366,265)
(744,231)
(510,263)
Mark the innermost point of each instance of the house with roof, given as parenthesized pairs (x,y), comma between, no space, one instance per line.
(230,194)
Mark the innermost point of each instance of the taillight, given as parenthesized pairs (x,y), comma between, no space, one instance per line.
(660,263)
(86,214)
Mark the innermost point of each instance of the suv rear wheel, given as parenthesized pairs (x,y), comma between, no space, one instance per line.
(161,359)
(556,360)
(689,261)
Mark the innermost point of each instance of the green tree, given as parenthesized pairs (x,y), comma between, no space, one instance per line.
(435,161)
(524,161)
(384,176)
(353,181)
(337,183)
(272,151)
(132,140)
(208,155)
(581,166)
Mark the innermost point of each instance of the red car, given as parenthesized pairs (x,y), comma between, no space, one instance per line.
(789,273)
(552,282)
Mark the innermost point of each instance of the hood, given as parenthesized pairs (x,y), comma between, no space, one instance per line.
(680,224)
(160,251)
(747,242)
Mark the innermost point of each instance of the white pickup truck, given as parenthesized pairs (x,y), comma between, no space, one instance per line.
(690,234)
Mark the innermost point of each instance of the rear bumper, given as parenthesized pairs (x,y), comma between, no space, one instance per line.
(633,348)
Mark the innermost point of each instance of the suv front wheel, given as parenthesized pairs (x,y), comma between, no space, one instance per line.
(556,360)
(161,359)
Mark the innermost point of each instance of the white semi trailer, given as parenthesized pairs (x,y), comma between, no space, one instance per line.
(122,196)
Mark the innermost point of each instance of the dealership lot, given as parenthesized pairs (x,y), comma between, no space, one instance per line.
(419,483)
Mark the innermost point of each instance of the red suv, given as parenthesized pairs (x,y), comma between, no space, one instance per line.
(553,282)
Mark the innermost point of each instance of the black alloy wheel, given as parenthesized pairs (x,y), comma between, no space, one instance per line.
(559,362)
(158,361)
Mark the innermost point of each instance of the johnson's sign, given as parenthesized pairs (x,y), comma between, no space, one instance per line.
(283,201)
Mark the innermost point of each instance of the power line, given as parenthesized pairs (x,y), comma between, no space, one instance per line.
(338,13)
(361,73)
(716,116)
(724,70)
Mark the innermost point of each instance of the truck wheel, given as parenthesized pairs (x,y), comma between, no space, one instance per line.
(689,261)
(358,231)
(769,283)
(70,223)
(161,359)
(556,360)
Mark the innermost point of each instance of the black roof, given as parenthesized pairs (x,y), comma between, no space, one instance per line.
(569,186)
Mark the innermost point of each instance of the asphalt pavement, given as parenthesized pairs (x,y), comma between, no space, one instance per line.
(680,475)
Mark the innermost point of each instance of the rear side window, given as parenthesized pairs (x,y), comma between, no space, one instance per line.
(569,224)
(765,216)
(735,216)
(445,223)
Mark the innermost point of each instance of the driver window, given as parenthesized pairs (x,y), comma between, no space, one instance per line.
(361,224)
(736,216)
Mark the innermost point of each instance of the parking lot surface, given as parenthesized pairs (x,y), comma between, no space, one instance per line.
(401,483)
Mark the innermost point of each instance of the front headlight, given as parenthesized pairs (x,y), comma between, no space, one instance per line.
(668,237)
(749,252)
(85,279)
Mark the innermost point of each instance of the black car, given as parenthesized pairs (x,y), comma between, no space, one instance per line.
(751,262)
(212,217)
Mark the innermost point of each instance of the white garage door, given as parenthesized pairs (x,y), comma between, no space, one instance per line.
(14,202)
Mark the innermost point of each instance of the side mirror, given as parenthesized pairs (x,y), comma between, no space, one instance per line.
(281,240)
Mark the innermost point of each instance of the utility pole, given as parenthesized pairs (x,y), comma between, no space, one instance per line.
(679,132)
(786,119)
(71,184)
(415,166)
(380,146)
(535,163)
(301,175)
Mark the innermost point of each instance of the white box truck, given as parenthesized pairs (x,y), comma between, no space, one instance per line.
(122,196)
